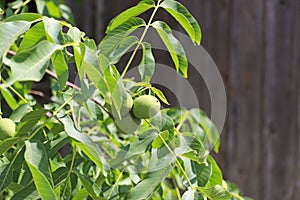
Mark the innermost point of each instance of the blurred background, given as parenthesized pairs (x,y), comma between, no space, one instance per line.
(256,46)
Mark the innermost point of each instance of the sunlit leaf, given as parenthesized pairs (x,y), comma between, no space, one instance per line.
(33,36)
(9,32)
(31,64)
(59,61)
(174,47)
(147,64)
(142,6)
(6,144)
(184,18)
(125,44)
(146,187)
(37,161)
(215,193)
(110,42)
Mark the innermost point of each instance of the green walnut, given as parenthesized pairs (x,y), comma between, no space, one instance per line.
(128,123)
(7,128)
(145,106)
(126,105)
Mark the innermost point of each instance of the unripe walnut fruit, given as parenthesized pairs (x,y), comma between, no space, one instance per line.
(7,128)
(145,106)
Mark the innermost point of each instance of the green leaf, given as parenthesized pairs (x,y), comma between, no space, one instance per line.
(209,128)
(147,186)
(6,144)
(53,30)
(110,42)
(31,64)
(157,143)
(147,65)
(137,147)
(9,98)
(28,17)
(19,112)
(48,8)
(5,176)
(59,61)
(37,161)
(174,47)
(29,121)
(33,36)
(125,44)
(185,19)
(84,142)
(203,173)
(160,95)
(88,184)
(192,195)
(141,7)
(194,148)
(215,193)
(9,32)
(56,145)
(28,192)
(216,176)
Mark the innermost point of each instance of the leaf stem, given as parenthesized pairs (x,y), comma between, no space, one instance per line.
(141,39)
(70,171)
(175,157)
(116,183)
(177,162)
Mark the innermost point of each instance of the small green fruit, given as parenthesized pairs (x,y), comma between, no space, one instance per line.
(7,128)
(146,106)
(128,123)
(126,106)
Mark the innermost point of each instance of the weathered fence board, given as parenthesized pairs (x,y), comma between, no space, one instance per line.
(256,46)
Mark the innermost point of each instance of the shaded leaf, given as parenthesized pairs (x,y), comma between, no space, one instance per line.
(29,121)
(6,144)
(5,176)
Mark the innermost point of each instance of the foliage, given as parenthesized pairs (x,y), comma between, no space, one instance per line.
(166,157)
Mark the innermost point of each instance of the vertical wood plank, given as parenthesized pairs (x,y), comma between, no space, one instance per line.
(280,129)
(245,94)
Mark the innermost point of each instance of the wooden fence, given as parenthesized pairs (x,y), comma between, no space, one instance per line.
(256,45)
